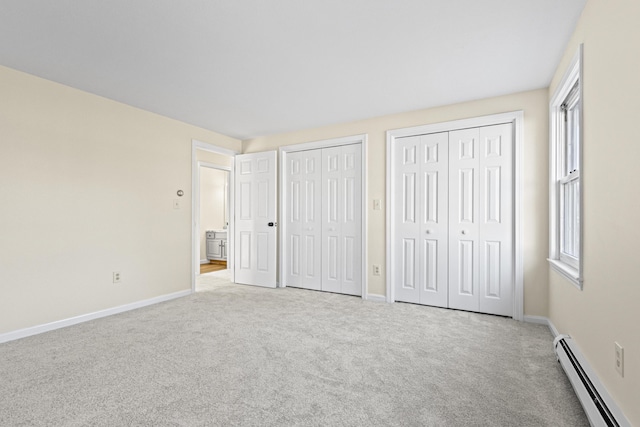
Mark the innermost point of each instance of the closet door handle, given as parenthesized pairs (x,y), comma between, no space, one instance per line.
(428,231)
(464,232)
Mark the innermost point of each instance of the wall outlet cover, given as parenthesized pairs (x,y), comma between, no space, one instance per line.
(619,359)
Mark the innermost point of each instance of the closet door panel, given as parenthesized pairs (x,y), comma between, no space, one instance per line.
(421,219)
(341,219)
(434,221)
(496,217)
(351,209)
(294,208)
(407,212)
(464,229)
(331,227)
(304,227)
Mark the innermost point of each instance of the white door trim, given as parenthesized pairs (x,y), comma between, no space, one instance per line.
(195,205)
(334,142)
(517,119)
(205,146)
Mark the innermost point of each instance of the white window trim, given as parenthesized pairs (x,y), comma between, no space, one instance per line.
(573,74)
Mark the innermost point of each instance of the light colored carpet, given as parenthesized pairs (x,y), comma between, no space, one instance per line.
(239,355)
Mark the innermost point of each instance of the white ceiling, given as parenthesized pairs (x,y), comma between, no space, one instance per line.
(246,68)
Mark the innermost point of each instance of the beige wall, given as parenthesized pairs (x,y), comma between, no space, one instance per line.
(90,183)
(535,196)
(607,310)
(212,204)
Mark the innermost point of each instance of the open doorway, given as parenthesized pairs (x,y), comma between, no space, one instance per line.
(212,211)
(214,218)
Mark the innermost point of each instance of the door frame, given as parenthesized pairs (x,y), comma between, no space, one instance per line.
(326,143)
(195,204)
(516,118)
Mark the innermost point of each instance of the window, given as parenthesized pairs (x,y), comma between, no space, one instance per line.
(565,169)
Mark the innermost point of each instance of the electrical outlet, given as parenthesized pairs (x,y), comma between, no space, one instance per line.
(619,359)
(376,270)
(116,277)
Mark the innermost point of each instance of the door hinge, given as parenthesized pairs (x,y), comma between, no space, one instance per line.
(564,110)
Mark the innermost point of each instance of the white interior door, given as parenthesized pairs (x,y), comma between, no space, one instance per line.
(256,216)
(421,236)
(304,228)
(341,219)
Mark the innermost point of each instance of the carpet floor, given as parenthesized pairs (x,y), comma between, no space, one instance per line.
(238,355)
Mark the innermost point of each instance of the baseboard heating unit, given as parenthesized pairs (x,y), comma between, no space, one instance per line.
(600,408)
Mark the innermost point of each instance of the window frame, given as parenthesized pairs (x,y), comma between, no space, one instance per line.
(566,95)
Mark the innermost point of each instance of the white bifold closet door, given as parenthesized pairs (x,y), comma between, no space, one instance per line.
(421,229)
(342,219)
(304,228)
(481,220)
(454,220)
(324,211)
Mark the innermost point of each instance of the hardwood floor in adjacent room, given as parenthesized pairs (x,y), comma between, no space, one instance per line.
(213,266)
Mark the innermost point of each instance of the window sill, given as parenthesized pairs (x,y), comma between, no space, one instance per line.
(568,272)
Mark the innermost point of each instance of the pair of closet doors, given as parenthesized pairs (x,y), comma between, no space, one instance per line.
(453,209)
(324,225)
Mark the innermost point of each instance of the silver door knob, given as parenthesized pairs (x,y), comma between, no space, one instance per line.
(464,232)
(428,231)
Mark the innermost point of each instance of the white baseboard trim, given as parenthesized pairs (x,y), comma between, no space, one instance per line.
(541,320)
(34,330)
(204,261)
(376,298)
(553,328)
